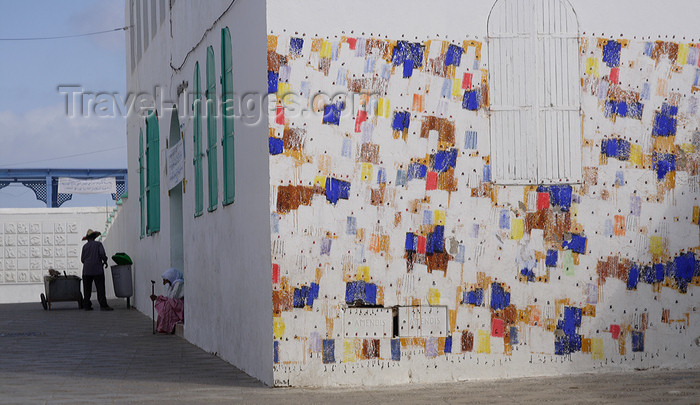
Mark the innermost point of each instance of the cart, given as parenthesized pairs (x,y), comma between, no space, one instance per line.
(61,288)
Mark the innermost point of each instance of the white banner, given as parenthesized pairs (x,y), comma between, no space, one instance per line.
(176,164)
(105,185)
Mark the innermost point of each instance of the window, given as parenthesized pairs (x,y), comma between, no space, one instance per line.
(153,173)
(142,185)
(227,117)
(145,24)
(132,35)
(211,131)
(197,161)
(535,92)
(154,19)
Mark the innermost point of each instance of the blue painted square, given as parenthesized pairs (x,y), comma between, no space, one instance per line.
(276,145)
(275,222)
(648,48)
(475,297)
(659,272)
(272,80)
(470,140)
(514,335)
(416,171)
(461,253)
(326,246)
(620,178)
(400,177)
(313,294)
(277,351)
(401,121)
(381,175)
(427,217)
(411,242)
(611,54)
(500,299)
(298,298)
(448,344)
(454,55)
(646,91)
(486,174)
(445,159)
(370,294)
(337,189)
(504,219)
(577,244)
(347,148)
(633,277)
(471,100)
(446,91)
(438,237)
(331,113)
(296,45)
(399,53)
(431,347)
(395,349)
(664,163)
(328,351)
(351,226)
(407,68)
(552,257)
(637,341)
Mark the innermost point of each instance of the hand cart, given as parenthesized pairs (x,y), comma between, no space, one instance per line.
(61,288)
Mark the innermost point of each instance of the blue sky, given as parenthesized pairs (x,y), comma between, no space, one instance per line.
(34,128)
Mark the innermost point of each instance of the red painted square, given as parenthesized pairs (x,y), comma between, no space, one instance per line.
(280,115)
(615,330)
(542,201)
(497,327)
(275,273)
(361,117)
(467,81)
(431,181)
(615,75)
(421,245)
(352,42)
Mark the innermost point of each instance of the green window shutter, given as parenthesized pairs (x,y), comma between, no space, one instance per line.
(227,114)
(198,177)
(142,185)
(153,174)
(211,131)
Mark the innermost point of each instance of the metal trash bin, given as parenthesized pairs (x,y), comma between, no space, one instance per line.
(61,288)
(121,278)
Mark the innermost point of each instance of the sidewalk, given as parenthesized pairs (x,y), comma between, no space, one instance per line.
(68,356)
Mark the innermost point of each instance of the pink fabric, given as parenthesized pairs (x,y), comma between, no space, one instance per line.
(170,312)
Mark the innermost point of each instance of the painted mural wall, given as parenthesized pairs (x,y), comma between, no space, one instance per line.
(395,256)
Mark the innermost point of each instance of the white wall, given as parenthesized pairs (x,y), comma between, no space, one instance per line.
(593,281)
(227,260)
(36,239)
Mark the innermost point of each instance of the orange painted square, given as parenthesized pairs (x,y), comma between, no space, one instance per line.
(619,225)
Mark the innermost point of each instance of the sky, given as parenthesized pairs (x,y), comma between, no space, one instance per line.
(35,129)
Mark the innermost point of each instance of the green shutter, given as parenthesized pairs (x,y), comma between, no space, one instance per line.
(211,131)
(227,114)
(198,178)
(153,177)
(142,185)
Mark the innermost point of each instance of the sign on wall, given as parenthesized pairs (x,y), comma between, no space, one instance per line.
(176,164)
(69,185)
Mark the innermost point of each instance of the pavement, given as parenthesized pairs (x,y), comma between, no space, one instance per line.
(69,356)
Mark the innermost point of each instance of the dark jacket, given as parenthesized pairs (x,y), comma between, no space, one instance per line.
(93,257)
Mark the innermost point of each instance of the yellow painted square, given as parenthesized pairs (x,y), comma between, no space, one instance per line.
(682,57)
(327,49)
(366,172)
(363,273)
(484,344)
(320,181)
(456,87)
(656,245)
(439,217)
(597,352)
(517,228)
(349,350)
(696,214)
(636,154)
(284,92)
(434,296)
(592,67)
(384,107)
(278,326)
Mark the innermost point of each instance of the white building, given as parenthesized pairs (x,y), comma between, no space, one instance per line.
(440,191)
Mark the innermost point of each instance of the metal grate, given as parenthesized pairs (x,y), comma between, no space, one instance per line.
(121,189)
(38,187)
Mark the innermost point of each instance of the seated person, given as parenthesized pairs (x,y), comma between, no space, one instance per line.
(170,306)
